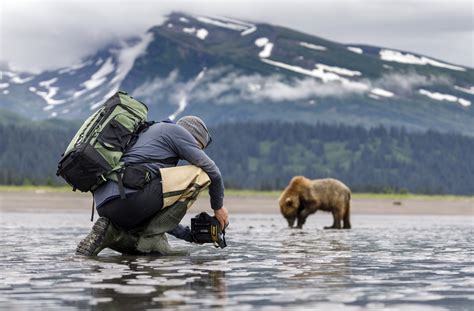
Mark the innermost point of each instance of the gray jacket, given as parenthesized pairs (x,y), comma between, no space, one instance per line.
(161,141)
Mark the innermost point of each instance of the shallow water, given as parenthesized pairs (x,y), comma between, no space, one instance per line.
(385,262)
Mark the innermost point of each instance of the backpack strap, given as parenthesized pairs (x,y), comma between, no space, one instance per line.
(120,172)
(142,128)
(120,184)
(92,212)
(168,120)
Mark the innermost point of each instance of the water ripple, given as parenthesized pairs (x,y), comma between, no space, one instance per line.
(393,262)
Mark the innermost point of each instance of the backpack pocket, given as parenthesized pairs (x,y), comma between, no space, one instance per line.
(83,167)
(117,133)
(136,176)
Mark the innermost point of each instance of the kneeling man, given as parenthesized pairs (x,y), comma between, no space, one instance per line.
(137,223)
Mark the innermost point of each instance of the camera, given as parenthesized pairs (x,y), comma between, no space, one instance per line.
(207,229)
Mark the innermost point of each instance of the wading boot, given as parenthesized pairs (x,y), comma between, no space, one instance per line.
(102,235)
(158,245)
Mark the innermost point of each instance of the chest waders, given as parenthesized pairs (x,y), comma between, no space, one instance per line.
(181,187)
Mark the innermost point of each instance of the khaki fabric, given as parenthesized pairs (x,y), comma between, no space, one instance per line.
(181,187)
(182,183)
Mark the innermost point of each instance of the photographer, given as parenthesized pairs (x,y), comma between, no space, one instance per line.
(135,221)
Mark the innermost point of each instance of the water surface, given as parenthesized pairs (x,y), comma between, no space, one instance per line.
(385,262)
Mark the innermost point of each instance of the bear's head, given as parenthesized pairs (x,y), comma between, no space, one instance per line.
(289,206)
(290,199)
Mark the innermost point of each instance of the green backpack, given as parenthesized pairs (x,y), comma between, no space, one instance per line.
(93,156)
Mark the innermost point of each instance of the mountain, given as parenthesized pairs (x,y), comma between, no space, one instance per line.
(227,70)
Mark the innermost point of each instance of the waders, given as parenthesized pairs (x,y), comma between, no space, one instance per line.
(181,187)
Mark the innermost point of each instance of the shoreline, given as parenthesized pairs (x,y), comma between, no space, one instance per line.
(42,201)
(255,193)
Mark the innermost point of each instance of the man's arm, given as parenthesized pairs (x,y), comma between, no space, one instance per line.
(182,233)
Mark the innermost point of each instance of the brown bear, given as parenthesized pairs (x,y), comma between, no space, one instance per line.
(304,197)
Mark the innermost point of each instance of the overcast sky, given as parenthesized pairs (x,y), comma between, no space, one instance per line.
(48,34)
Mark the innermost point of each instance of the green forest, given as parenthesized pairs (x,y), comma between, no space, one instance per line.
(265,156)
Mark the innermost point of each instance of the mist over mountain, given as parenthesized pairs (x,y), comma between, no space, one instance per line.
(228,70)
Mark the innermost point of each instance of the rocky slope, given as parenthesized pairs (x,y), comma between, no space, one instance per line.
(227,70)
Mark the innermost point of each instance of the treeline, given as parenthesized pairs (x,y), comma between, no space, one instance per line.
(267,155)
(29,151)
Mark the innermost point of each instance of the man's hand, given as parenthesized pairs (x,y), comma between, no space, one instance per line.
(222,215)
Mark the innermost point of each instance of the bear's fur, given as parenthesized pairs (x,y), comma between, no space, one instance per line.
(304,197)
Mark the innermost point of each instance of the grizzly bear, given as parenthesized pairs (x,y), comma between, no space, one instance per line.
(304,197)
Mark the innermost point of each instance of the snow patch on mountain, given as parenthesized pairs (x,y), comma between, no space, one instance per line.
(128,54)
(267,50)
(48,83)
(100,76)
(222,24)
(249,28)
(190,30)
(338,70)
(381,92)
(260,42)
(5,92)
(464,102)
(18,80)
(236,21)
(4,85)
(396,56)
(200,33)
(126,57)
(49,94)
(93,95)
(445,97)
(319,73)
(79,93)
(465,90)
(75,67)
(183,102)
(355,49)
(267,47)
(313,46)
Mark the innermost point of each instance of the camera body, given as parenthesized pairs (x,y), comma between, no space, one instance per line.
(207,229)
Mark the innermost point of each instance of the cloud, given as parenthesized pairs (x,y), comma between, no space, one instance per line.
(405,83)
(60,32)
(226,85)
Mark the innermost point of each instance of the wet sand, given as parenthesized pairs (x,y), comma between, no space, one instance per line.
(41,201)
(394,262)
(405,257)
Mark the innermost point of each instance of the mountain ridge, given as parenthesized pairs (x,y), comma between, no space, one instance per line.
(227,70)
